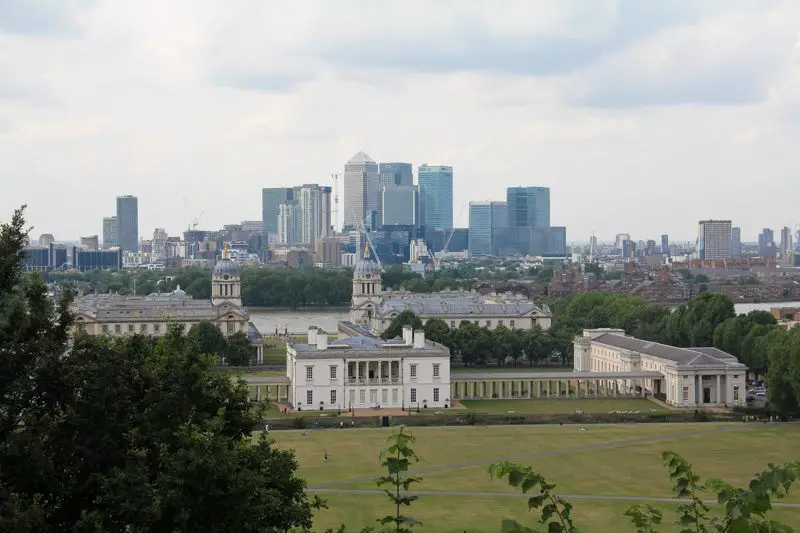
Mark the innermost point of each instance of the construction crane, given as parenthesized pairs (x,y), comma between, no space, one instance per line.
(438,260)
(335,178)
(362,229)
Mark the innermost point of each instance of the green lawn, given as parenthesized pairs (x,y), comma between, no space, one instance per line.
(502,369)
(618,466)
(554,406)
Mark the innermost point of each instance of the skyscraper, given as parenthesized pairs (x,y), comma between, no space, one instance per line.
(528,207)
(289,223)
(271,199)
(315,211)
(128,223)
(110,232)
(485,219)
(435,196)
(361,190)
(665,245)
(399,205)
(736,242)
(714,239)
(766,243)
(786,240)
(400,174)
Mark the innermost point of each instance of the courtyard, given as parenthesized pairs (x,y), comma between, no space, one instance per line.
(601,469)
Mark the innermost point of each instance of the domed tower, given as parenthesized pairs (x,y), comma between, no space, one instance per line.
(226,286)
(366,289)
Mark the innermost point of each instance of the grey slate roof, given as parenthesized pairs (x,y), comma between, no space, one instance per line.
(175,306)
(682,356)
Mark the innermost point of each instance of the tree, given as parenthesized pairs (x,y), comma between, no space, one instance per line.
(404,318)
(209,338)
(437,330)
(239,351)
(745,510)
(131,434)
(506,345)
(397,459)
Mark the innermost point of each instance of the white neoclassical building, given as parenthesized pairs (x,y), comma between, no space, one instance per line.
(117,315)
(375,308)
(690,377)
(361,370)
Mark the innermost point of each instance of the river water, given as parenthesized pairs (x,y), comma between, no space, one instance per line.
(299,321)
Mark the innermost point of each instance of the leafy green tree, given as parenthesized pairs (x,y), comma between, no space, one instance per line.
(239,351)
(131,434)
(437,330)
(506,345)
(397,459)
(403,318)
(209,338)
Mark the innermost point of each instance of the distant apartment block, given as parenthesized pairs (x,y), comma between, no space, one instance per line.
(714,239)
(271,199)
(110,232)
(128,223)
(736,242)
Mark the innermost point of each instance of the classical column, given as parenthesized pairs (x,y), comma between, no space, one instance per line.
(547,388)
(558,388)
(258,393)
(719,389)
(698,387)
(538,389)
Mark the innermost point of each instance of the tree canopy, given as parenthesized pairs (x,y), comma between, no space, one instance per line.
(131,434)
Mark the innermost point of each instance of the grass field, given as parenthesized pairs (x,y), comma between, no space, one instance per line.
(603,461)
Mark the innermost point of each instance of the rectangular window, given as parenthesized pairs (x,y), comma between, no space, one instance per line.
(452,323)
(333,396)
(117,328)
(231,327)
(142,328)
(488,323)
(309,373)
(362,397)
(394,396)
(436,395)
(130,328)
(156,327)
(104,328)
(412,371)
(735,376)
(499,322)
(436,370)
(413,395)
(385,396)
(309,397)
(333,372)
(512,323)
(736,394)
(686,394)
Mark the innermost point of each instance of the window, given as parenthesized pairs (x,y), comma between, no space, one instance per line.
(142,328)
(156,327)
(309,373)
(413,395)
(452,323)
(436,370)
(394,396)
(735,376)
(412,371)
(309,397)
(499,322)
(231,327)
(105,328)
(333,372)
(512,323)
(362,397)
(476,322)
(686,394)
(117,328)
(436,395)
(488,323)
(385,396)
(333,396)
(130,328)
(81,327)
(736,394)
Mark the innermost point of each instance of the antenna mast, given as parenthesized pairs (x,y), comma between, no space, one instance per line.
(335,178)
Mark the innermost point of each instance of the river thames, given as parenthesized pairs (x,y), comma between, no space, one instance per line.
(298,321)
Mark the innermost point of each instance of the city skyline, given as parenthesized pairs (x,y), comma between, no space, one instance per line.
(638,114)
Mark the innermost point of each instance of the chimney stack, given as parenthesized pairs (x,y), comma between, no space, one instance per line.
(419,338)
(312,335)
(408,335)
(322,340)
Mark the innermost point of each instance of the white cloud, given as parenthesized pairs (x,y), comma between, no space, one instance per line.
(640,120)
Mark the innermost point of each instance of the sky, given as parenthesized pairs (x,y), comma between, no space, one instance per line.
(643,117)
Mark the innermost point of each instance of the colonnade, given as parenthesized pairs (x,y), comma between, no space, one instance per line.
(544,388)
(272,392)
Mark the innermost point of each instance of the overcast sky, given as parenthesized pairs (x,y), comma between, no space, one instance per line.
(641,116)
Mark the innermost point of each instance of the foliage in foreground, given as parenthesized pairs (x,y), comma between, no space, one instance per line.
(745,509)
(135,434)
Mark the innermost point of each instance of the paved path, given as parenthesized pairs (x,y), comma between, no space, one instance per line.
(520,495)
(545,453)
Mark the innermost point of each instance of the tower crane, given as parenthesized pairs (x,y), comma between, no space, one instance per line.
(362,229)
